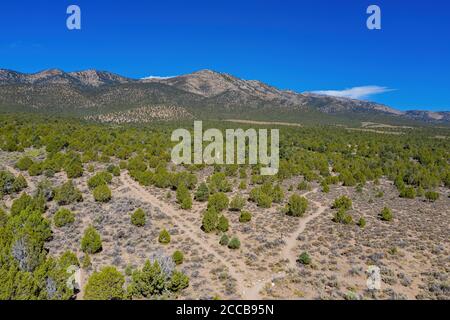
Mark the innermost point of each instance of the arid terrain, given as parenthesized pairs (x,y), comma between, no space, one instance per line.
(412,251)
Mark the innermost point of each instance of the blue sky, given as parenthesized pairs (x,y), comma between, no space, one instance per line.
(303,45)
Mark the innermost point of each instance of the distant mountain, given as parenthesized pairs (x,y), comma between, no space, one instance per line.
(202,94)
(88,78)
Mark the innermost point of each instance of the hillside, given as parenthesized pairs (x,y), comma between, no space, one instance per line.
(203,94)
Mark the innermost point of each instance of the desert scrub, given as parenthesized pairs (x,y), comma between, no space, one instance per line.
(234,243)
(63,217)
(431,196)
(138,218)
(219,201)
(386,214)
(91,242)
(178,257)
(202,192)
(296,206)
(106,284)
(86,261)
(210,220)
(341,216)
(184,197)
(223,224)
(362,222)
(224,240)
(164,237)
(304,258)
(102,193)
(67,194)
(342,203)
(408,193)
(245,217)
(237,203)
(24,163)
(101,178)
(19,184)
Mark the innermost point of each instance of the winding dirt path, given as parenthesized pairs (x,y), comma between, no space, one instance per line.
(291,242)
(187,227)
(251,292)
(288,250)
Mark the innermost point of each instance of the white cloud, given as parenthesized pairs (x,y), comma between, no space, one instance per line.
(156,77)
(355,92)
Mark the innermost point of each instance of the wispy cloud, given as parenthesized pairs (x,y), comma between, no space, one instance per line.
(157,78)
(355,92)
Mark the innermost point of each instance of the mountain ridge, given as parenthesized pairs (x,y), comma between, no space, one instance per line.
(204,92)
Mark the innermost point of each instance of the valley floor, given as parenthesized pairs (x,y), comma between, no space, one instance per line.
(412,251)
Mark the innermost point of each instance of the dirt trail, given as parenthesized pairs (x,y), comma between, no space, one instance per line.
(288,251)
(187,227)
(247,292)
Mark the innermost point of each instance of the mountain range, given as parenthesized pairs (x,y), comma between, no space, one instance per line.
(204,94)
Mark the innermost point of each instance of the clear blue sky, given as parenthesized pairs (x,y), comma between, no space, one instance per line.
(303,45)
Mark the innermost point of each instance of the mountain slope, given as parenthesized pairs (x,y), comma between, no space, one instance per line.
(202,94)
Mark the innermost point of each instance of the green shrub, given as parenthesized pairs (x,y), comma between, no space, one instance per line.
(245,216)
(224,240)
(219,201)
(234,243)
(178,281)
(237,203)
(296,206)
(164,237)
(210,220)
(277,194)
(362,222)
(106,284)
(243,185)
(35,169)
(138,218)
(114,170)
(3,218)
(432,196)
(184,197)
(21,204)
(408,193)
(178,257)
(223,224)
(6,182)
(86,262)
(63,217)
(24,163)
(342,202)
(264,200)
(341,216)
(152,280)
(303,185)
(102,193)
(101,178)
(67,194)
(202,192)
(91,242)
(67,259)
(218,182)
(45,189)
(386,214)
(19,184)
(304,258)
